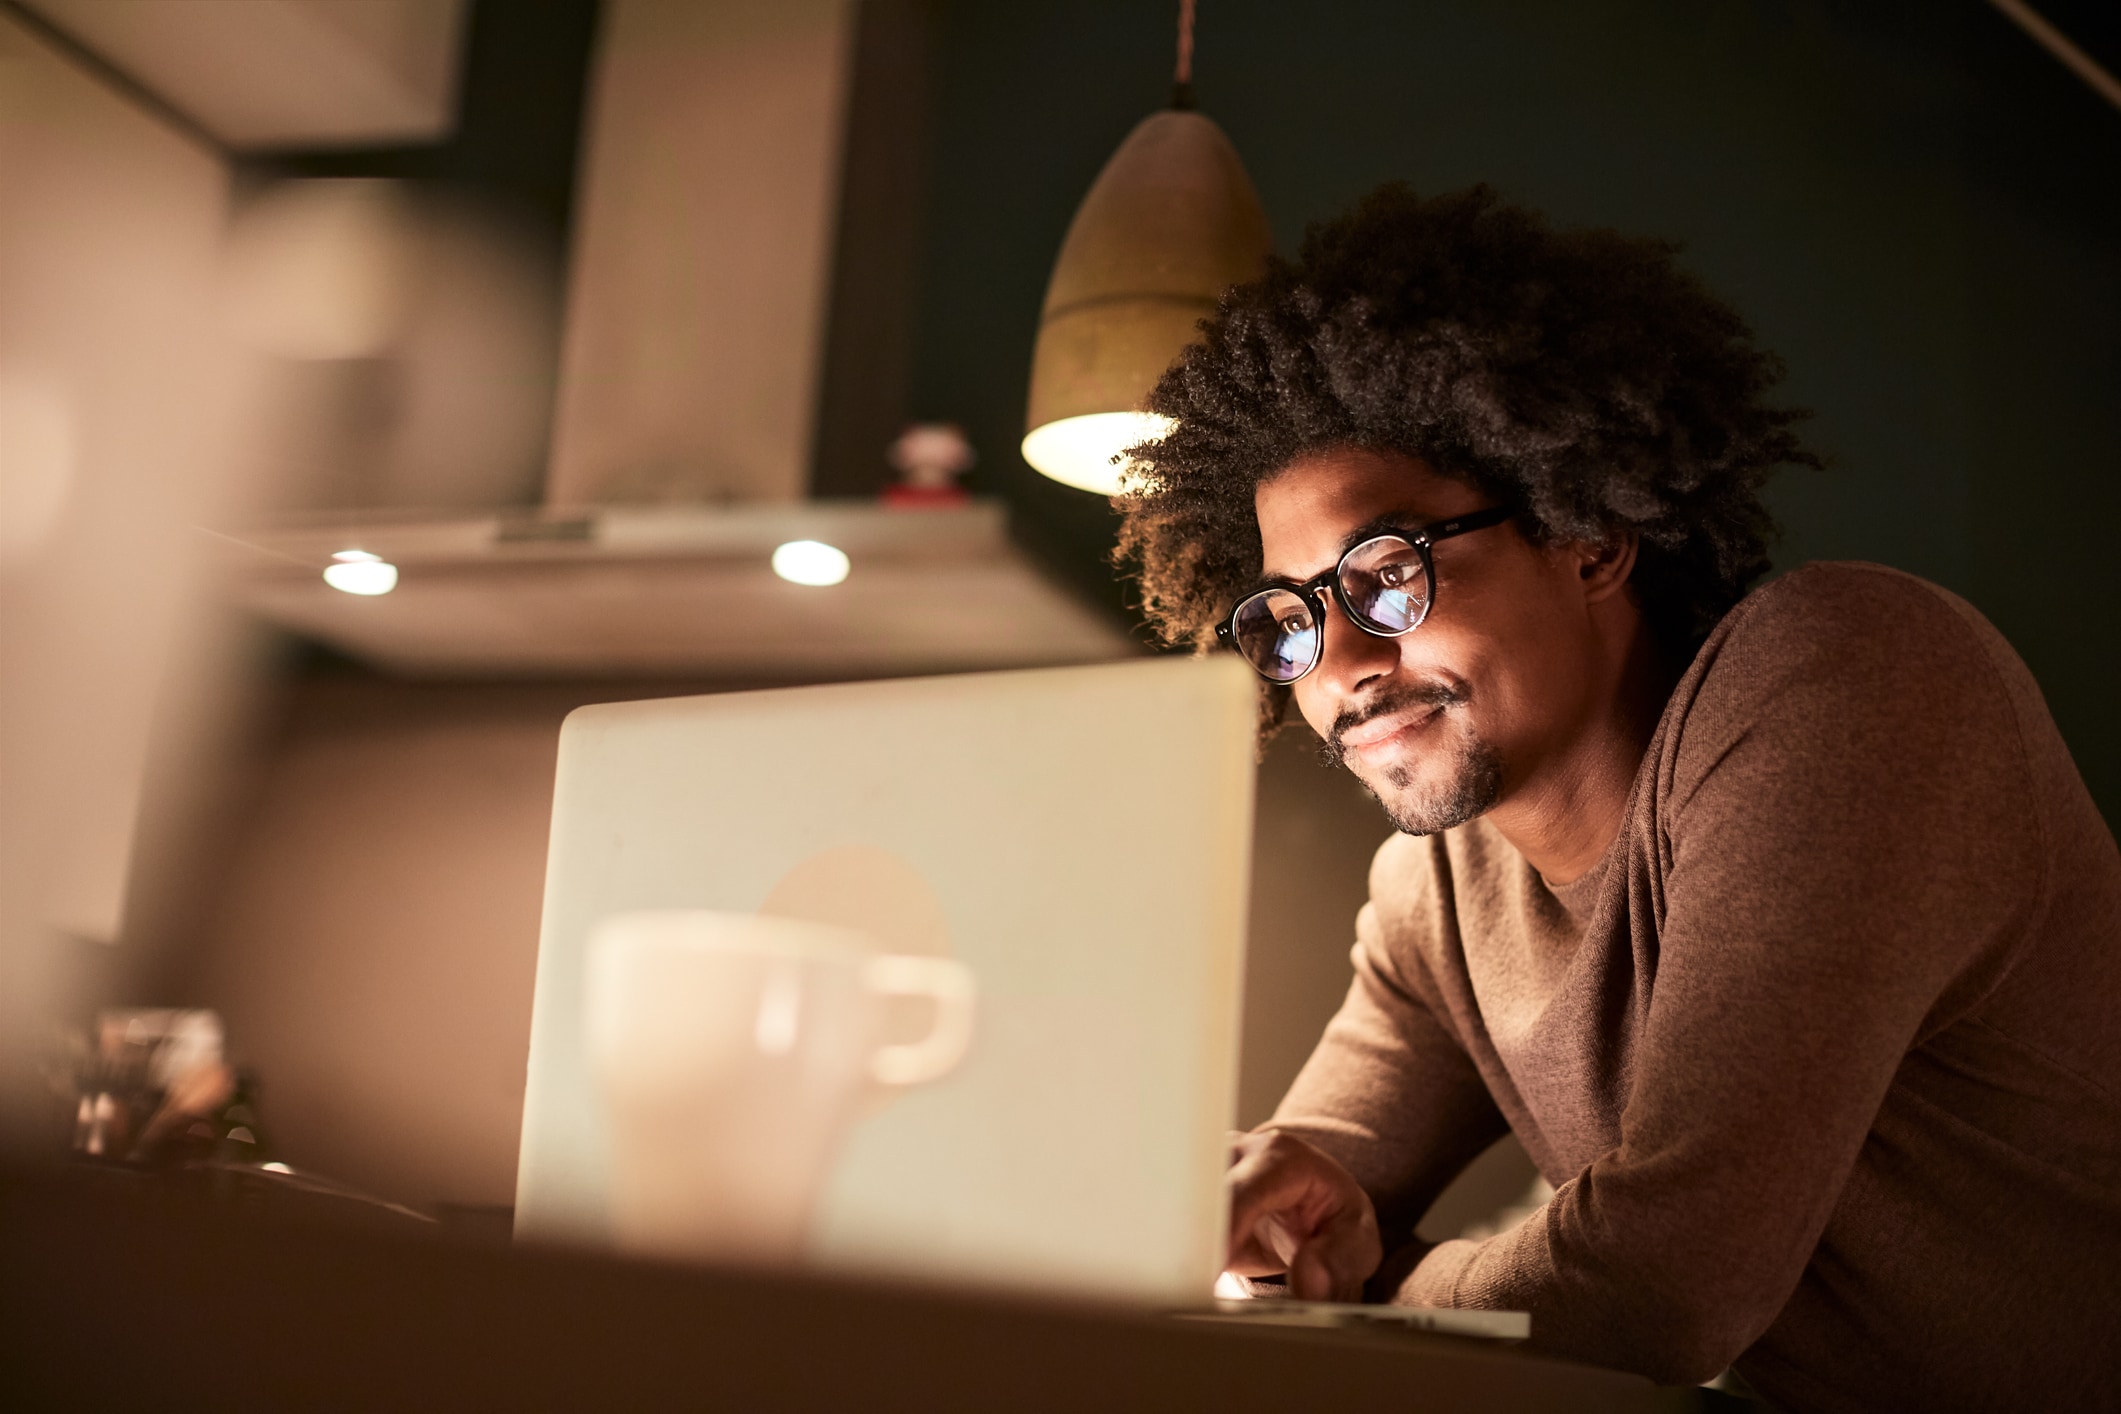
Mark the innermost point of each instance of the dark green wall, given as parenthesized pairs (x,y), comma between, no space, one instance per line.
(1916,206)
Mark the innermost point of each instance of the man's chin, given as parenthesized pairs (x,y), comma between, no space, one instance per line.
(1428,802)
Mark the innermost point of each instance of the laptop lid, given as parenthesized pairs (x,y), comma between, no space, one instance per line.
(1076,838)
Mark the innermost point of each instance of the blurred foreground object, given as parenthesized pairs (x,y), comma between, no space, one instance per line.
(157,1110)
(149,1084)
(122,401)
(733,1053)
(109,1301)
(1170,221)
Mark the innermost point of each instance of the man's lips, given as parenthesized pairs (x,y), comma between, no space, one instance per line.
(1374,736)
(1385,726)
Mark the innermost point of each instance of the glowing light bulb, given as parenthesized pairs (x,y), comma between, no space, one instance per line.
(810,562)
(1089,452)
(359,572)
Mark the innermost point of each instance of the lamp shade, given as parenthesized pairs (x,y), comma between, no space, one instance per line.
(1169,222)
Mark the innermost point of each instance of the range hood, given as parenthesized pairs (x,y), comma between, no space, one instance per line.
(683,592)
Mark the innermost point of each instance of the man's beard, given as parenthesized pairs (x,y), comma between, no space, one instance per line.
(1472,784)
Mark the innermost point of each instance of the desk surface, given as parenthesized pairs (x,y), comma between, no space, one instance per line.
(115,1300)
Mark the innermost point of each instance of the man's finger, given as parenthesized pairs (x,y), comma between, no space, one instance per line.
(1276,1235)
(1262,1182)
(1283,1196)
(1310,1278)
(1333,1264)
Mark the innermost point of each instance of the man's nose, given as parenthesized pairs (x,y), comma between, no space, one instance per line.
(1349,657)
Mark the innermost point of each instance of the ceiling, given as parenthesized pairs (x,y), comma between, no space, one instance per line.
(284,73)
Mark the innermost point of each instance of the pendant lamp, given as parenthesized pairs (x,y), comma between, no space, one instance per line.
(1170,221)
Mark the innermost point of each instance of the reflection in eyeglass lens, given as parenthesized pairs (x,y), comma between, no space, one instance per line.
(1386,585)
(1278,634)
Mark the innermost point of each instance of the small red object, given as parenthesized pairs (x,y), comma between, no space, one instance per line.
(929,457)
(906,497)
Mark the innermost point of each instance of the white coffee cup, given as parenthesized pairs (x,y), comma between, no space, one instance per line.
(733,1052)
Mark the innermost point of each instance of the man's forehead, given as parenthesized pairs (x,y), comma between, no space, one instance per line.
(1312,510)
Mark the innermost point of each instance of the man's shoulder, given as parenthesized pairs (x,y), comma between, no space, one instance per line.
(1825,599)
(1850,629)
(1852,676)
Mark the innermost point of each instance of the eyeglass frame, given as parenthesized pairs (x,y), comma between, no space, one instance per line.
(1311,591)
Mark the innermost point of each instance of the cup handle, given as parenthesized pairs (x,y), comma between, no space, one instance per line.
(946,981)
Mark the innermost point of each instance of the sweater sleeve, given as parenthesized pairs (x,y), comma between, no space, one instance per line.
(1388,1092)
(1849,857)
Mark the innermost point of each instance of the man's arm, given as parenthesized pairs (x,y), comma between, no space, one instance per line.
(1389,1109)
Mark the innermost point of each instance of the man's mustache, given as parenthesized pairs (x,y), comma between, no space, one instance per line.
(1333,752)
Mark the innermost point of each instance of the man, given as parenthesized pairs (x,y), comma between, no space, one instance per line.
(1779,927)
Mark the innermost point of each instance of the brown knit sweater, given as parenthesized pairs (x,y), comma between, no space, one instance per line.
(1823,1057)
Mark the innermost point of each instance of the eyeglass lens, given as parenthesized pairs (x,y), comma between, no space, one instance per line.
(1384,586)
(1277,633)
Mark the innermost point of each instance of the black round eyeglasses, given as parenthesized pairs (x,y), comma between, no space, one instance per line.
(1385,585)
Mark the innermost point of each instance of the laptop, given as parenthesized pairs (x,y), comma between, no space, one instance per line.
(1074,840)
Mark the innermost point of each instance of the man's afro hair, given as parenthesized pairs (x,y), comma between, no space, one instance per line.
(1578,376)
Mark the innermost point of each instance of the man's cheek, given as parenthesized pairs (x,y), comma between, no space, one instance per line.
(1317,712)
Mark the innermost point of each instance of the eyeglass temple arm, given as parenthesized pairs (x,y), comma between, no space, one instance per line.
(1460,525)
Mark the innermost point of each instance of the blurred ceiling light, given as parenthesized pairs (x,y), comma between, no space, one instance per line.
(359,572)
(1168,224)
(323,268)
(810,562)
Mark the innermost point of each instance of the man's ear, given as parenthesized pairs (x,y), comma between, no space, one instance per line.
(1605,565)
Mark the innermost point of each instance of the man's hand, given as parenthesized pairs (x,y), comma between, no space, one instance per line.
(1294,1210)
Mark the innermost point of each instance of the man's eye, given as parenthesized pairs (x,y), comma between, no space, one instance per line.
(1393,576)
(1296,623)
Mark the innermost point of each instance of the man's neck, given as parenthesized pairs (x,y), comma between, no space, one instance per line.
(1565,814)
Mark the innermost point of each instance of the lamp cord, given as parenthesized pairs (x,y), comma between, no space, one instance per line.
(2057,43)
(1182,76)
